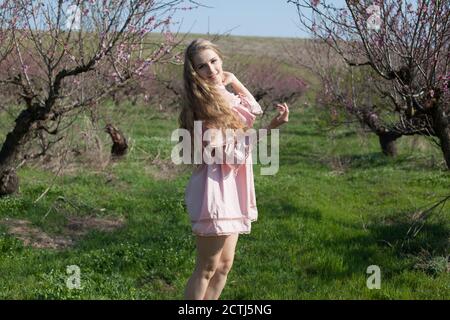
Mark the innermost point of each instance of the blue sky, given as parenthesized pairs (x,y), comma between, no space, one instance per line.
(267,18)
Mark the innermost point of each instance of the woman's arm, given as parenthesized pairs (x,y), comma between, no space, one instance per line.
(238,87)
(283,109)
(247,98)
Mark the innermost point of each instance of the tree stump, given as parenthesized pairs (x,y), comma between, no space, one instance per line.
(9,182)
(120,145)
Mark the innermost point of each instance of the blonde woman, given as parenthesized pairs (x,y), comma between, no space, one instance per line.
(220,197)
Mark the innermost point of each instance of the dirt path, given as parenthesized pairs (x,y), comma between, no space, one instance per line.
(75,228)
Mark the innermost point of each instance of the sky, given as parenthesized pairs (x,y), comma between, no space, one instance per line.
(267,18)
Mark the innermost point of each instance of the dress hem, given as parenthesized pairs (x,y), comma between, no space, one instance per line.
(220,234)
(222,227)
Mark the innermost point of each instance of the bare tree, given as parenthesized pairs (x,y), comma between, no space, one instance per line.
(62,56)
(399,51)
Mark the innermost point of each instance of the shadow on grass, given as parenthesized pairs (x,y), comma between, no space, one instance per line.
(432,236)
(279,209)
(378,159)
(358,161)
(346,255)
(345,134)
(305,132)
(366,161)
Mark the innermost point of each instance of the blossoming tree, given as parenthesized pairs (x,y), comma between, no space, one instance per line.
(62,56)
(400,50)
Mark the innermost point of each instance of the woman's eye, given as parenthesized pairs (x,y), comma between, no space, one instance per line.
(213,61)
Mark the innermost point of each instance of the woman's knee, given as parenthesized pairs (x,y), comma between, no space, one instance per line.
(224,266)
(227,256)
(206,270)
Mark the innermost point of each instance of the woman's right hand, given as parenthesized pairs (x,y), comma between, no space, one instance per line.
(282,117)
(227,78)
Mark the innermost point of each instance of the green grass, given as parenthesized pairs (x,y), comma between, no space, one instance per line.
(318,229)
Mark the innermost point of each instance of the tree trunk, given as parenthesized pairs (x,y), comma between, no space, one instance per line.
(441,126)
(386,137)
(11,148)
(387,143)
(120,145)
(9,182)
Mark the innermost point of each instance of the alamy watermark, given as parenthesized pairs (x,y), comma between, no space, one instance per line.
(374,21)
(230,147)
(74,279)
(374,281)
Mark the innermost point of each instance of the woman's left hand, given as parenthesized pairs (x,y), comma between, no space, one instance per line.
(227,78)
(282,118)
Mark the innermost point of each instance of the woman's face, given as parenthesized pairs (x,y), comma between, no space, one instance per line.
(209,66)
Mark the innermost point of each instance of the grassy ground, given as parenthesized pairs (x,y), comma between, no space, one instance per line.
(320,224)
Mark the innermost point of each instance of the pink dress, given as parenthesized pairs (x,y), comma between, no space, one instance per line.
(220,198)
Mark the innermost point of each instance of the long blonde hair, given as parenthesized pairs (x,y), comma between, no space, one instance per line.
(203,101)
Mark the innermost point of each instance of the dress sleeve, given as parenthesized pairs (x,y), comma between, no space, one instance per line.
(230,150)
(246,107)
(250,103)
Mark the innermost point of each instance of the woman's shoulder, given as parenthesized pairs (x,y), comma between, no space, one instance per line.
(235,100)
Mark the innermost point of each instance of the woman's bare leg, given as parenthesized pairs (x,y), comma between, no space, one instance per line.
(209,250)
(217,282)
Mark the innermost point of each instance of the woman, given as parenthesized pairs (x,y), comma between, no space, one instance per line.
(220,197)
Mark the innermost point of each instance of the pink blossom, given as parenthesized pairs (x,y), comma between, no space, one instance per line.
(329,39)
(169,37)
(143,31)
(132,28)
(150,20)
